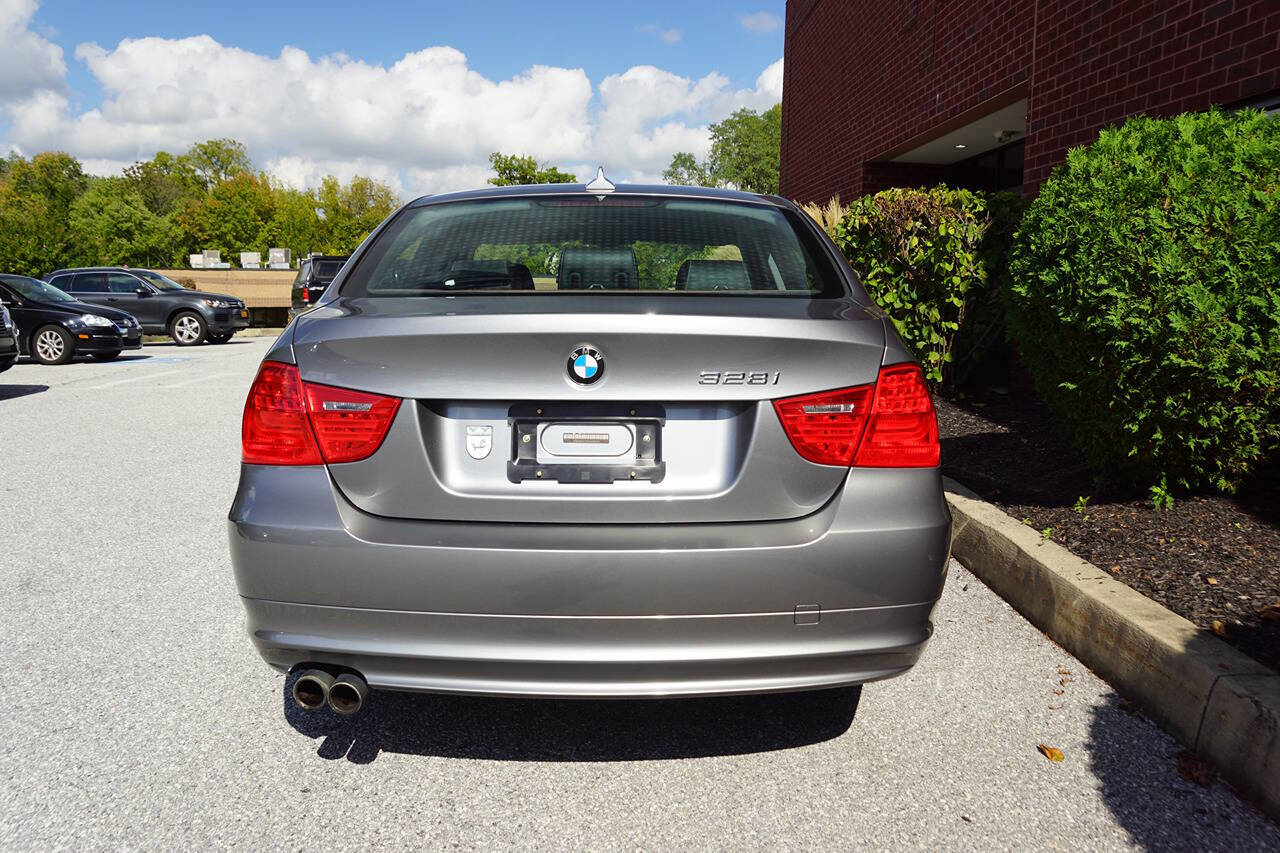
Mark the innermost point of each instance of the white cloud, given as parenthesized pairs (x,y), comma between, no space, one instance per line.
(28,62)
(426,123)
(760,22)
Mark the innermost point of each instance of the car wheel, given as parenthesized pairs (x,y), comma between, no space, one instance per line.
(52,345)
(105,356)
(188,329)
(220,338)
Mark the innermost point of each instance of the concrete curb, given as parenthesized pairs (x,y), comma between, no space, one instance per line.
(1218,702)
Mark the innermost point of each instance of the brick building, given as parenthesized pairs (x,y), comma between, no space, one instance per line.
(990,94)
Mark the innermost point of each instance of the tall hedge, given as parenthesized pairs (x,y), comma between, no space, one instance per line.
(919,254)
(1145,297)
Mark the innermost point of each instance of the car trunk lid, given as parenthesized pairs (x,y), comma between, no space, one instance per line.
(676,426)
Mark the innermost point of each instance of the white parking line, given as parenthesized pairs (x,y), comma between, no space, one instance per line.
(204,378)
(147,375)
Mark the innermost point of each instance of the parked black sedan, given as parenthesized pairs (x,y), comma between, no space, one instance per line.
(54,328)
(8,340)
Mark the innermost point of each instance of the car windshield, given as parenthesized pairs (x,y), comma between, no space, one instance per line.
(626,243)
(157,280)
(36,290)
(326,270)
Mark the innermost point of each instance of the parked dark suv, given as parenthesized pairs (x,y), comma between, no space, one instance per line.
(314,275)
(162,306)
(54,328)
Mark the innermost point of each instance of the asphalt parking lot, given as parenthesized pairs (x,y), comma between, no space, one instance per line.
(137,714)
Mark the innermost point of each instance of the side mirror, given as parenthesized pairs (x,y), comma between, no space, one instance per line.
(143,291)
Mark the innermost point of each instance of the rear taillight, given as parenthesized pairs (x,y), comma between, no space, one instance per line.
(275,429)
(903,430)
(825,428)
(349,425)
(306,294)
(890,424)
(291,422)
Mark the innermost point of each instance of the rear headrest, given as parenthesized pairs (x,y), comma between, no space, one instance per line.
(713,275)
(598,269)
(521,278)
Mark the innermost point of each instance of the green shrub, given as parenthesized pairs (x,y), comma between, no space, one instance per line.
(1145,297)
(918,252)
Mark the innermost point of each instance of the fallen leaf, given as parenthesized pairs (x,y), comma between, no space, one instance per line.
(1065,681)
(1219,627)
(1211,581)
(1270,612)
(1052,753)
(1059,692)
(1062,671)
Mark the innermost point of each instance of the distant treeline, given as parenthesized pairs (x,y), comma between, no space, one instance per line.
(161,210)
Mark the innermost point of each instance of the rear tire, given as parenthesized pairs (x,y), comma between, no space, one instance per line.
(52,345)
(106,356)
(188,329)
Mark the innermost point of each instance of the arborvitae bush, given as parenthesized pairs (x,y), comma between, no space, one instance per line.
(1144,298)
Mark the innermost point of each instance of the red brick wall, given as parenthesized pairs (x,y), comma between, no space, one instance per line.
(865,76)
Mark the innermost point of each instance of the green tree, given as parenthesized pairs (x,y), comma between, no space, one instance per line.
(352,210)
(686,171)
(746,153)
(232,218)
(514,169)
(217,160)
(35,203)
(164,181)
(294,224)
(113,225)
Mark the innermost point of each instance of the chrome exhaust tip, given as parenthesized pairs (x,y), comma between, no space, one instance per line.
(347,694)
(311,689)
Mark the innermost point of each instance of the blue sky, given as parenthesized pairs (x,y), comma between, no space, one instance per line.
(426,89)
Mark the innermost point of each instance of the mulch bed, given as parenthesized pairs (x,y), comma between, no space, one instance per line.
(1211,558)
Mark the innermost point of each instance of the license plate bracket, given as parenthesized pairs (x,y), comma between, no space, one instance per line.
(645,420)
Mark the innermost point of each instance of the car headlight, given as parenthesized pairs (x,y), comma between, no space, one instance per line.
(217,303)
(94,320)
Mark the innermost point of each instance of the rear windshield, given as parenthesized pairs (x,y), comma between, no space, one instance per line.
(326,270)
(554,244)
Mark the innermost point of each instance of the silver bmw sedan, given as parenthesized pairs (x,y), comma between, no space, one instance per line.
(588,441)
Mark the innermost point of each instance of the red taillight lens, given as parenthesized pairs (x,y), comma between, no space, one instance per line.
(825,428)
(275,429)
(349,425)
(903,430)
(887,425)
(306,294)
(291,422)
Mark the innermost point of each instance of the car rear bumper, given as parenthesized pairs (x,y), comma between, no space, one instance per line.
(586,656)
(842,596)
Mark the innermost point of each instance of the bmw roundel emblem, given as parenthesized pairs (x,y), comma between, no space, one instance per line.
(586,365)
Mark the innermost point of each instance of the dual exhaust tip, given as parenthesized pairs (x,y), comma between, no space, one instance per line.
(344,694)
